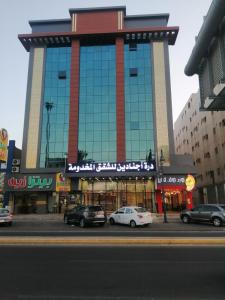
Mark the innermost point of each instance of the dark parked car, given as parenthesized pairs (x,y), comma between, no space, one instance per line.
(214,213)
(84,215)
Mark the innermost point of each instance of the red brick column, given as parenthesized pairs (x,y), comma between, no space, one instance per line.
(74,102)
(120,106)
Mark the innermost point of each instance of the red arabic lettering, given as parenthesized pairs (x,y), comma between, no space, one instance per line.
(18,183)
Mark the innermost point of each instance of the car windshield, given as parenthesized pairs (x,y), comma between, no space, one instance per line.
(140,209)
(222,206)
(95,208)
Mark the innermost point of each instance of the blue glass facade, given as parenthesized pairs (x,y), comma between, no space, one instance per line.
(138,102)
(97,103)
(57,94)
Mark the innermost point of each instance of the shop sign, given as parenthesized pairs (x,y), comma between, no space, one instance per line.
(29,183)
(190,183)
(2,177)
(62,183)
(3,144)
(112,167)
(171,180)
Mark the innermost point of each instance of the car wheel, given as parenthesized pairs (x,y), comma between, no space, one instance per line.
(217,222)
(186,219)
(101,224)
(132,224)
(10,224)
(66,220)
(111,221)
(82,223)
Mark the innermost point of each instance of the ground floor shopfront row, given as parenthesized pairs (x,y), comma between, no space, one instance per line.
(45,193)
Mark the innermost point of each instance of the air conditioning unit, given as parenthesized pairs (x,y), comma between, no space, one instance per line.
(16,162)
(15,169)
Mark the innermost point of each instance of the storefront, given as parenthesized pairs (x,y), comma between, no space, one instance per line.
(176,190)
(113,185)
(33,193)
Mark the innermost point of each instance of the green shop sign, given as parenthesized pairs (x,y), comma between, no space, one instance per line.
(21,182)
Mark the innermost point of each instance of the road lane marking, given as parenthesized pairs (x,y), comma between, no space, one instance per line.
(109,240)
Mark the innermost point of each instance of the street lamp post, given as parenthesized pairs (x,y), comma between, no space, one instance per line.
(48,106)
(161,162)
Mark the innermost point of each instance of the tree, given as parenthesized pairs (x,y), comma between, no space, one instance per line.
(82,154)
(149,156)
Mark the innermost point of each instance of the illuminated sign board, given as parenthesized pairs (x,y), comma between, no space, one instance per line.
(171,180)
(190,183)
(3,144)
(187,181)
(19,182)
(112,167)
(62,183)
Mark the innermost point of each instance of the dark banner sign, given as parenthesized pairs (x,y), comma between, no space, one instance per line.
(171,180)
(21,182)
(112,167)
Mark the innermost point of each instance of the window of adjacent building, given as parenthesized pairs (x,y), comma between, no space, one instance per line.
(203,120)
(214,130)
(216,150)
(207,155)
(218,171)
(205,137)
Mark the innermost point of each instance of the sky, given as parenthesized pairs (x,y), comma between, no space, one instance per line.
(14,18)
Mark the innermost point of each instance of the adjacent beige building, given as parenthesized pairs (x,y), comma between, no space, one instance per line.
(202,134)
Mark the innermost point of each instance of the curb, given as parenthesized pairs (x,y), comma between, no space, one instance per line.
(111,241)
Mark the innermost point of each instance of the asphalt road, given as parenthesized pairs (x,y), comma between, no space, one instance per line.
(112,273)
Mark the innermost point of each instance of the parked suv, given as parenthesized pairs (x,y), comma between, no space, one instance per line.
(214,213)
(84,215)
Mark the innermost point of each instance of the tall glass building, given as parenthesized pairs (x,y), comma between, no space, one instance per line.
(99,110)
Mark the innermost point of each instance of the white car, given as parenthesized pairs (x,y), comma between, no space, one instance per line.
(5,216)
(131,215)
